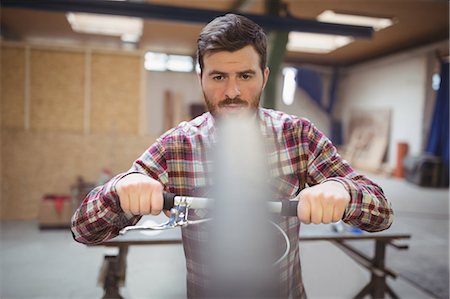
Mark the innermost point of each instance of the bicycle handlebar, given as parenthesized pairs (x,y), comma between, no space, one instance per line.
(169,200)
(283,207)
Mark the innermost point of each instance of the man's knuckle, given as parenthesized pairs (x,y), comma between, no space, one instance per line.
(336,218)
(158,186)
(315,221)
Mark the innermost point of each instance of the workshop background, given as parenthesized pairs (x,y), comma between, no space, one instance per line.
(77,108)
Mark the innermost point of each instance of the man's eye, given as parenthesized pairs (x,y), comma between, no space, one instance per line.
(218,78)
(246,76)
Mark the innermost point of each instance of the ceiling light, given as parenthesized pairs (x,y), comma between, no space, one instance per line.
(130,38)
(330,16)
(315,42)
(128,28)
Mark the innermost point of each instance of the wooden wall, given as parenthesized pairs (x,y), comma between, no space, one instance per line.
(56,90)
(13,83)
(115,110)
(65,113)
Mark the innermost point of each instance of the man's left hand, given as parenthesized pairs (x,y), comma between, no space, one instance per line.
(323,203)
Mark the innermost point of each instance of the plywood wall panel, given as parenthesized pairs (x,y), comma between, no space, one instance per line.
(49,157)
(13,85)
(57,90)
(39,163)
(115,96)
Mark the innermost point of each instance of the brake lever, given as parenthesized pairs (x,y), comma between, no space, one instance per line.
(174,221)
(178,218)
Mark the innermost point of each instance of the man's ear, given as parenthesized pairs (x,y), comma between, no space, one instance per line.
(265,76)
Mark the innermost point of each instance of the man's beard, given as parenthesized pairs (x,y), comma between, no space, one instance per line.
(249,106)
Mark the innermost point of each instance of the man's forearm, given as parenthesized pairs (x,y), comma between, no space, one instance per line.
(368,208)
(100,217)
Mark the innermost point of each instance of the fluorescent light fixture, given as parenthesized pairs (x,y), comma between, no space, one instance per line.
(130,38)
(289,85)
(330,16)
(163,62)
(128,28)
(315,42)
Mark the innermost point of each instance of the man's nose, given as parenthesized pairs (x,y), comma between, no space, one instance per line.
(232,89)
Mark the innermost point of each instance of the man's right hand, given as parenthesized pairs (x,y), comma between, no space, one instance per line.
(140,194)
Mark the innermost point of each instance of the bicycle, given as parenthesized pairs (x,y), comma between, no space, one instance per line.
(179,210)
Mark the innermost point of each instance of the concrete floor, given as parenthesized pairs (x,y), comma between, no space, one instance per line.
(49,264)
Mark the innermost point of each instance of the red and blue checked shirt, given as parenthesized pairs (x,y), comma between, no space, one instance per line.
(302,156)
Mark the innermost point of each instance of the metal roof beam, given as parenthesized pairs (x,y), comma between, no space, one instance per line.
(185,14)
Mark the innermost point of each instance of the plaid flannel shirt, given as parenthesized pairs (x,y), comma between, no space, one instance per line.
(302,157)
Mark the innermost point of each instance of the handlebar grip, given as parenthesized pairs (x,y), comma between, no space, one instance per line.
(169,200)
(289,207)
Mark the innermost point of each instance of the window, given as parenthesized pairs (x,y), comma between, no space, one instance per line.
(164,62)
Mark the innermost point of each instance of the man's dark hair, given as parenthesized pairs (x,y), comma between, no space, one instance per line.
(231,33)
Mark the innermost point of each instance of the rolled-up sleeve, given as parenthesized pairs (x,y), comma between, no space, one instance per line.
(369,209)
(100,216)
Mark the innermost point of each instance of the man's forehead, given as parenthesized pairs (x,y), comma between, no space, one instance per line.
(245,58)
(245,51)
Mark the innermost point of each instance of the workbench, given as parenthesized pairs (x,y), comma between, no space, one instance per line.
(113,271)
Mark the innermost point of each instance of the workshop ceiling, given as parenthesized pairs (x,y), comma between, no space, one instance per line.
(417,23)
